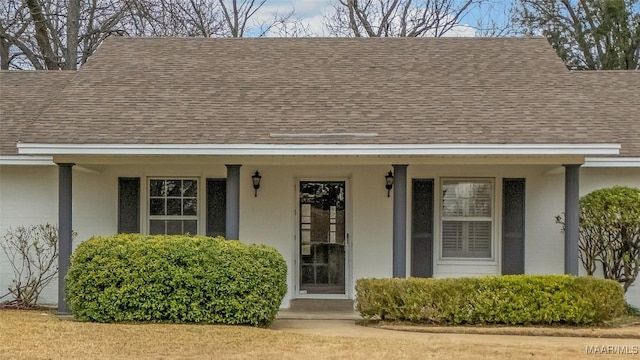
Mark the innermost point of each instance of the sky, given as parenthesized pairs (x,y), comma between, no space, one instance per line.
(311,12)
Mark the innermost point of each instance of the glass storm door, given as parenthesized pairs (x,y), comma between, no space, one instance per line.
(322,237)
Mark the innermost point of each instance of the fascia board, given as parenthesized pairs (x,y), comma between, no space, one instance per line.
(320,149)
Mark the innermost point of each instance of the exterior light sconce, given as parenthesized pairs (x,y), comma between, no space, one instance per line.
(256,182)
(389,182)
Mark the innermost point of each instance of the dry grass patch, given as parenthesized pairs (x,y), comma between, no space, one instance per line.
(631,331)
(42,335)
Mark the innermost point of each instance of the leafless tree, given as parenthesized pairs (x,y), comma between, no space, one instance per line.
(586,34)
(383,18)
(32,252)
(237,14)
(55,34)
(494,19)
(63,34)
(194,18)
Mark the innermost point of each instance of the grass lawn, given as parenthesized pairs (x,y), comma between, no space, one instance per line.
(42,335)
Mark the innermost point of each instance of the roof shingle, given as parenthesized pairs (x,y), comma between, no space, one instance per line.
(23,95)
(244,91)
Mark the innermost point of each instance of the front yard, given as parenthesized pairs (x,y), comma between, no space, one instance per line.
(42,335)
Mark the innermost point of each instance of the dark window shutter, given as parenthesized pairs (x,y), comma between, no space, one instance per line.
(216,207)
(128,205)
(513,194)
(422,228)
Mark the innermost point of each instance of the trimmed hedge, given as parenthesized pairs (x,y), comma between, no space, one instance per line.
(175,279)
(509,299)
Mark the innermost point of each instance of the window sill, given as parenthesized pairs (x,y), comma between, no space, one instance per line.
(468,262)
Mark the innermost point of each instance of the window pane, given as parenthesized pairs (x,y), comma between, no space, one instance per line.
(189,207)
(173,200)
(466,198)
(189,188)
(174,227)
(451,238)
(174,188)
(156,188)
(190,227)
(174,207)
(466,239)
(156,227)
(480,239)
(156,207)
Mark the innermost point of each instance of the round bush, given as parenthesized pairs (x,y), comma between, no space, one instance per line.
(175,279)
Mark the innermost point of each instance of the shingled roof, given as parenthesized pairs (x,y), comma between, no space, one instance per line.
(616,98)
(23,96)
(323,91)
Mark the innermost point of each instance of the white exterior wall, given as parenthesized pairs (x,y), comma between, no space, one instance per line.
(28,195)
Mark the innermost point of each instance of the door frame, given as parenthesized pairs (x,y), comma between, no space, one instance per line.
(348,250)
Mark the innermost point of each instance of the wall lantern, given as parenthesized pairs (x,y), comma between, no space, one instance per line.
(389,182)
(256,182)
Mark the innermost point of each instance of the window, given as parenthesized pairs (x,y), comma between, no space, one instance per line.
(173,206)
(467,218)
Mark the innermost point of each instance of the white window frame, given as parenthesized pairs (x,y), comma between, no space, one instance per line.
(148,198)
(442,218)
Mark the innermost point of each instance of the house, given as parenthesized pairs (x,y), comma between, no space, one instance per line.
(370,157)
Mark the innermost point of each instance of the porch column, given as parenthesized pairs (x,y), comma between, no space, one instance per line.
(400,221)
(65,229)
(233,202)
(572,218)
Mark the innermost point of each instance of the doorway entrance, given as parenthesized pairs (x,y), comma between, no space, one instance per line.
(323,239)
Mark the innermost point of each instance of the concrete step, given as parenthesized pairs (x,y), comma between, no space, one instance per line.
(286,314)
(312,305)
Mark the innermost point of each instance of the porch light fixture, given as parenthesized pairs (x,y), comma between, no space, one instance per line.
(256,182)
(389,182)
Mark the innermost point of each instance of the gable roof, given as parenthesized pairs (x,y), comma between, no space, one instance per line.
(23,96)
(347,91)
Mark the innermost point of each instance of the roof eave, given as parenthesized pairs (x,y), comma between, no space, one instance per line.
(321,149)
(612,162)
(26,160)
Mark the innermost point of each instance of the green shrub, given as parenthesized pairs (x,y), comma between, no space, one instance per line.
(510,299)
(175,279)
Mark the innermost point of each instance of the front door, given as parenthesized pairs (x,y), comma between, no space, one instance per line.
(322,247)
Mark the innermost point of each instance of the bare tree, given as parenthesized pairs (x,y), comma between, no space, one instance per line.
(32,252)
(587,34)
(237,14)
(193,18)
(62,34)
(55,34)
(494,18)
(286,25)
(73,27)
(383,18)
